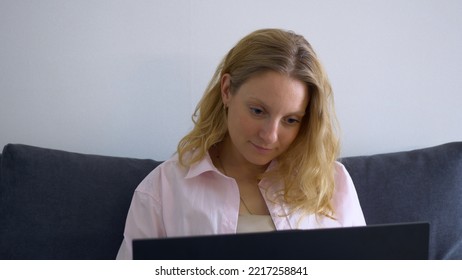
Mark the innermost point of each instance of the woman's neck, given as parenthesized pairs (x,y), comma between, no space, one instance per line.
(246,174)
(233,164)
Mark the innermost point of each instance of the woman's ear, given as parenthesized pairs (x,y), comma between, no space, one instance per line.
(226,88)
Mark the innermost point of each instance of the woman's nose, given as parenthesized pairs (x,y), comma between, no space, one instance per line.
(269,131)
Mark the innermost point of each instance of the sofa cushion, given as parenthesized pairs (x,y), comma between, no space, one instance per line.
(62,205)
(419,185)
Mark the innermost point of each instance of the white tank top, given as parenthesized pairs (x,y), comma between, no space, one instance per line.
(254,223)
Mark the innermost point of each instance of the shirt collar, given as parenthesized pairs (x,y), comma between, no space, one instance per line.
(204,165)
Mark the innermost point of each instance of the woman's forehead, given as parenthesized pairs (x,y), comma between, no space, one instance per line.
(275,90)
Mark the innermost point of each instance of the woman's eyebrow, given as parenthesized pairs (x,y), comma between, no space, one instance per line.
(257,100)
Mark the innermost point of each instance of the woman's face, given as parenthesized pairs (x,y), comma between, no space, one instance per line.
(264,115)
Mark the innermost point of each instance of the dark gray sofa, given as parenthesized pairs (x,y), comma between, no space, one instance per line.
(62,205)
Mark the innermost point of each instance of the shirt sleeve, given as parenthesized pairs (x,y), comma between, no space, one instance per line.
(144,219)
(346,202)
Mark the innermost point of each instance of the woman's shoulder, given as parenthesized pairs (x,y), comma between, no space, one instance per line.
(345,200)
(172,173)
(171,163)
(341,172)
(169,168)
(343,182)
(339,166)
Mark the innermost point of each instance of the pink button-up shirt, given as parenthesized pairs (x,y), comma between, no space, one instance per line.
(200,200)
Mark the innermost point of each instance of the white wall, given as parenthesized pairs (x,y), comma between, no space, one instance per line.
(122,77)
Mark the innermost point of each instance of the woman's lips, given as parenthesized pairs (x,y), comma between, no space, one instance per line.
(261,149)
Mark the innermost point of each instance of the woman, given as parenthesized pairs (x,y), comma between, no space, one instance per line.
(261,156)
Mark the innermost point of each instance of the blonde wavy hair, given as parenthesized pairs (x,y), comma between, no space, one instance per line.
(307,168)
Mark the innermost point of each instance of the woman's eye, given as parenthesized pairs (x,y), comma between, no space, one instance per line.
(256,111)
(292,121)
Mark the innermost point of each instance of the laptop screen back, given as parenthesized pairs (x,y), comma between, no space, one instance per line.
(375,242)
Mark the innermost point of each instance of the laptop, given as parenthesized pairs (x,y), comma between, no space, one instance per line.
(406,241)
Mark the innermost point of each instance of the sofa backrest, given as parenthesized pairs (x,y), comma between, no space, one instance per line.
(63,205)
(412,186)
